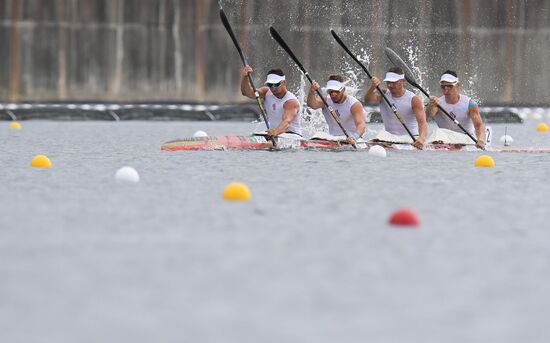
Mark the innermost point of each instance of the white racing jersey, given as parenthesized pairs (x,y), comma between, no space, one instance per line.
(274,109)
(343,111)
(404,107)
(459,111)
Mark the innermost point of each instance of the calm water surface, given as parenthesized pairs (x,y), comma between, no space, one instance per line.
(310,259)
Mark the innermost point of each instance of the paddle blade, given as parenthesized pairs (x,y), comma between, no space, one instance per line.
(227,26)
(223,17)
(337,37)
(229,30)
(398,62)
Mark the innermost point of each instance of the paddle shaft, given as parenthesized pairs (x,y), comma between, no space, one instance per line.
(229,30)
(391,105)
(283,44)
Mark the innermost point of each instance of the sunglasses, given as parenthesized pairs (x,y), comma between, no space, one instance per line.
(447,86)
(274,85)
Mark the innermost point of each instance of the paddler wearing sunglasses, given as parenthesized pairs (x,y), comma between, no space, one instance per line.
(349,110)
(408,105)
(282,107)
(460,106)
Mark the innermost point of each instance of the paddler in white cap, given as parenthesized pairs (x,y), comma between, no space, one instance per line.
(282,107)
(349,110)
(409,106)
(459,106)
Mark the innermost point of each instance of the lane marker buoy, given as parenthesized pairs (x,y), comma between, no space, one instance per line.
(506,140)
(127,174)
(236,191)
(542,127)
(377,150)
(484,161)
(200,134)
(41,161)
(404,217)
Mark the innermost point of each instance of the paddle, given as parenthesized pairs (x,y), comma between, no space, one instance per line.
(409,75)
(225,22)
(391,105)
(283,45)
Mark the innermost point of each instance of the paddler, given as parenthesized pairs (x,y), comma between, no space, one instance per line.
(349,110)
(282,107)
(408,105)
(459,106)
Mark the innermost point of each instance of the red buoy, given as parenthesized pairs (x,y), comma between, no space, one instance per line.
(404,216)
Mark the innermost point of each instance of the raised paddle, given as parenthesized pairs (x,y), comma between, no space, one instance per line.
(391,105)
(409,75)
(225,22)
(283,45)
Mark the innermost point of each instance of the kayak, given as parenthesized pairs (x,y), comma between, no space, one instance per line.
(262,143)
(219,143)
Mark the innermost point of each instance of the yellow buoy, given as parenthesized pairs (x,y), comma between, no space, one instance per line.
(236,191)
(542,127)
(15,125)
(484,161)
(41,161)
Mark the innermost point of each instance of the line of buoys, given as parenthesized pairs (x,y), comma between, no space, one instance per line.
(236,191)
(41,161)
(484,161)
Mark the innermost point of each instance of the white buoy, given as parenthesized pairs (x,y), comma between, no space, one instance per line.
(199,134)
(377,150)
(127,174)
(506,139)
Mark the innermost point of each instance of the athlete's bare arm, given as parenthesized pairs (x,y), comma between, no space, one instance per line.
(473,111)
(420,114)
(358,113)
(313,99)
(291,108)
(246,87)
(373,95)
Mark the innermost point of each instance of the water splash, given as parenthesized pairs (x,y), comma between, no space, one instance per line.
(413,55)
(312,120)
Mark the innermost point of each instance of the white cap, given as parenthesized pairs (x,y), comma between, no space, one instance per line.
(449,78)
(335,85)
(393,77)
(274,78)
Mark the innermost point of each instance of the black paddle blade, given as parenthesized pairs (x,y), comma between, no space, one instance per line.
(398,62)
(225,23)
(336,37)
(229,30)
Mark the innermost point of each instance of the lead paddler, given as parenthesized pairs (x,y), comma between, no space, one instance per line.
(459,106)
(282,107)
